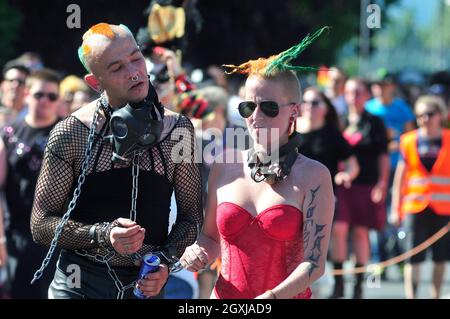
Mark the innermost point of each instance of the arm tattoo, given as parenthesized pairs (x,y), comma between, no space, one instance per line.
(313,194)
(316,251)
(319,228)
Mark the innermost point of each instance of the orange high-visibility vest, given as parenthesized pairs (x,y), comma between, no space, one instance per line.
(422,188)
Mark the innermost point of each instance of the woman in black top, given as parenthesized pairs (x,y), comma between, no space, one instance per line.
(361,206)
(322,139)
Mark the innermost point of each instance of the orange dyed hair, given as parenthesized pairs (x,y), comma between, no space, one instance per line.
(254,67)
(102,29)
(276,63)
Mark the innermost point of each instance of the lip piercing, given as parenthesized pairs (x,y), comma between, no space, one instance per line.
(135,78)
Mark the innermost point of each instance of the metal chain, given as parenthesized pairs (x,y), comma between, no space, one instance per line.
(76,194)
(133,213)
(134,193)
(105,259)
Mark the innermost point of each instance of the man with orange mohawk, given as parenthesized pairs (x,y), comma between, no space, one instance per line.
(269,213)
(113,151)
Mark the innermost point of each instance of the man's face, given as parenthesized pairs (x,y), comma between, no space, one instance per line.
(121,71)
(13,87)
(42,100)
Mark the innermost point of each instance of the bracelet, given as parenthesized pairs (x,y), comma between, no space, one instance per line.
(3,240)
(272,294)
(102,234)
(93,234)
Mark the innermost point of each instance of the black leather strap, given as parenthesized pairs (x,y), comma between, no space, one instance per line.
(261,169)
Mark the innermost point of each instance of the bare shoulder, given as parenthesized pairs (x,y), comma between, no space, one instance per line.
(169,113)
(86,113)
(227,162)
(308,171)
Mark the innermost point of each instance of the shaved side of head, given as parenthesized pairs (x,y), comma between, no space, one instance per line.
(97,39)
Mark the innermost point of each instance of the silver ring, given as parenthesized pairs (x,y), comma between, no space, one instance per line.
(135,78)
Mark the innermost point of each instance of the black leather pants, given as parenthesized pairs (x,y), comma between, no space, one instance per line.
(93,281)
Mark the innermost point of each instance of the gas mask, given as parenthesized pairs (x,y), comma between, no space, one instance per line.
(135,127)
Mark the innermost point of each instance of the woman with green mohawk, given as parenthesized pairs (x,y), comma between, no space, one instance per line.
(269,209)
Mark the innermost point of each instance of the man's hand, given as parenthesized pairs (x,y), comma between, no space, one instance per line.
(195,258)
(128,238)
(152,283)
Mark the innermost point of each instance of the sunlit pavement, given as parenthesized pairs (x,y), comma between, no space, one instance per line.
(392,288)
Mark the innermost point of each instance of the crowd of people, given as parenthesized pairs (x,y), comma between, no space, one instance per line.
(353,157)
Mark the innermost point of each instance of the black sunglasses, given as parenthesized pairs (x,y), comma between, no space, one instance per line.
(429,114)
(269,108)
(19,81)
(51,96)
(314,103)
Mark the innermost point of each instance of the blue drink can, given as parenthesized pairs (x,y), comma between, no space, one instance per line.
(150,263)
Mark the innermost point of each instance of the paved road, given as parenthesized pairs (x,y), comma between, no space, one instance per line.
(390,289)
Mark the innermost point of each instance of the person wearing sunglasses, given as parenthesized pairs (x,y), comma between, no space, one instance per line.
(22,149)
(12,92)
(269,218)
(322,139)
(421,191)
(115,159)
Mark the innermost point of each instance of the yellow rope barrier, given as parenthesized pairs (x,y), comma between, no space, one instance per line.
(394,260)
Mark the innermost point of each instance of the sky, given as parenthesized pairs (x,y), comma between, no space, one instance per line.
(424,10)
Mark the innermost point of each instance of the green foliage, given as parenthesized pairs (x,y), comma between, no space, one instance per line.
(10,21)
(342,16)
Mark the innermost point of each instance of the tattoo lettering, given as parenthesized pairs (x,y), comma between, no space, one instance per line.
(306,236)
(314,258)
(313,194)
(316,251)
(317,243)
(319,228)
(311,269)
(310,212)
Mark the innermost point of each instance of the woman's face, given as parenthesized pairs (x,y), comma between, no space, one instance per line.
(263,128)
(428,116)
(313,107)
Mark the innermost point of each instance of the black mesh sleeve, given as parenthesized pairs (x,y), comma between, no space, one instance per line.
(188,190)
(53,189)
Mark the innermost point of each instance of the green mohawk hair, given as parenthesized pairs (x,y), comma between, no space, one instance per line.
(279,62)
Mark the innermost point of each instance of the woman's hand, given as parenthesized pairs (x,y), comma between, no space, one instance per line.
(378,193)
(195,258)
(343,178)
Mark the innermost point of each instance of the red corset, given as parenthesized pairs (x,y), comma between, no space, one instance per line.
(258,252)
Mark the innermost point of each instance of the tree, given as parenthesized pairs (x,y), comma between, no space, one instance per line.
(10,21)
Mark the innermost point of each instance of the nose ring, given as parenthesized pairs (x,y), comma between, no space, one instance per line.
(135,78)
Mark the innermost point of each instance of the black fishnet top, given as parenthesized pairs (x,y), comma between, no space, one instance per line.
(106,194)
